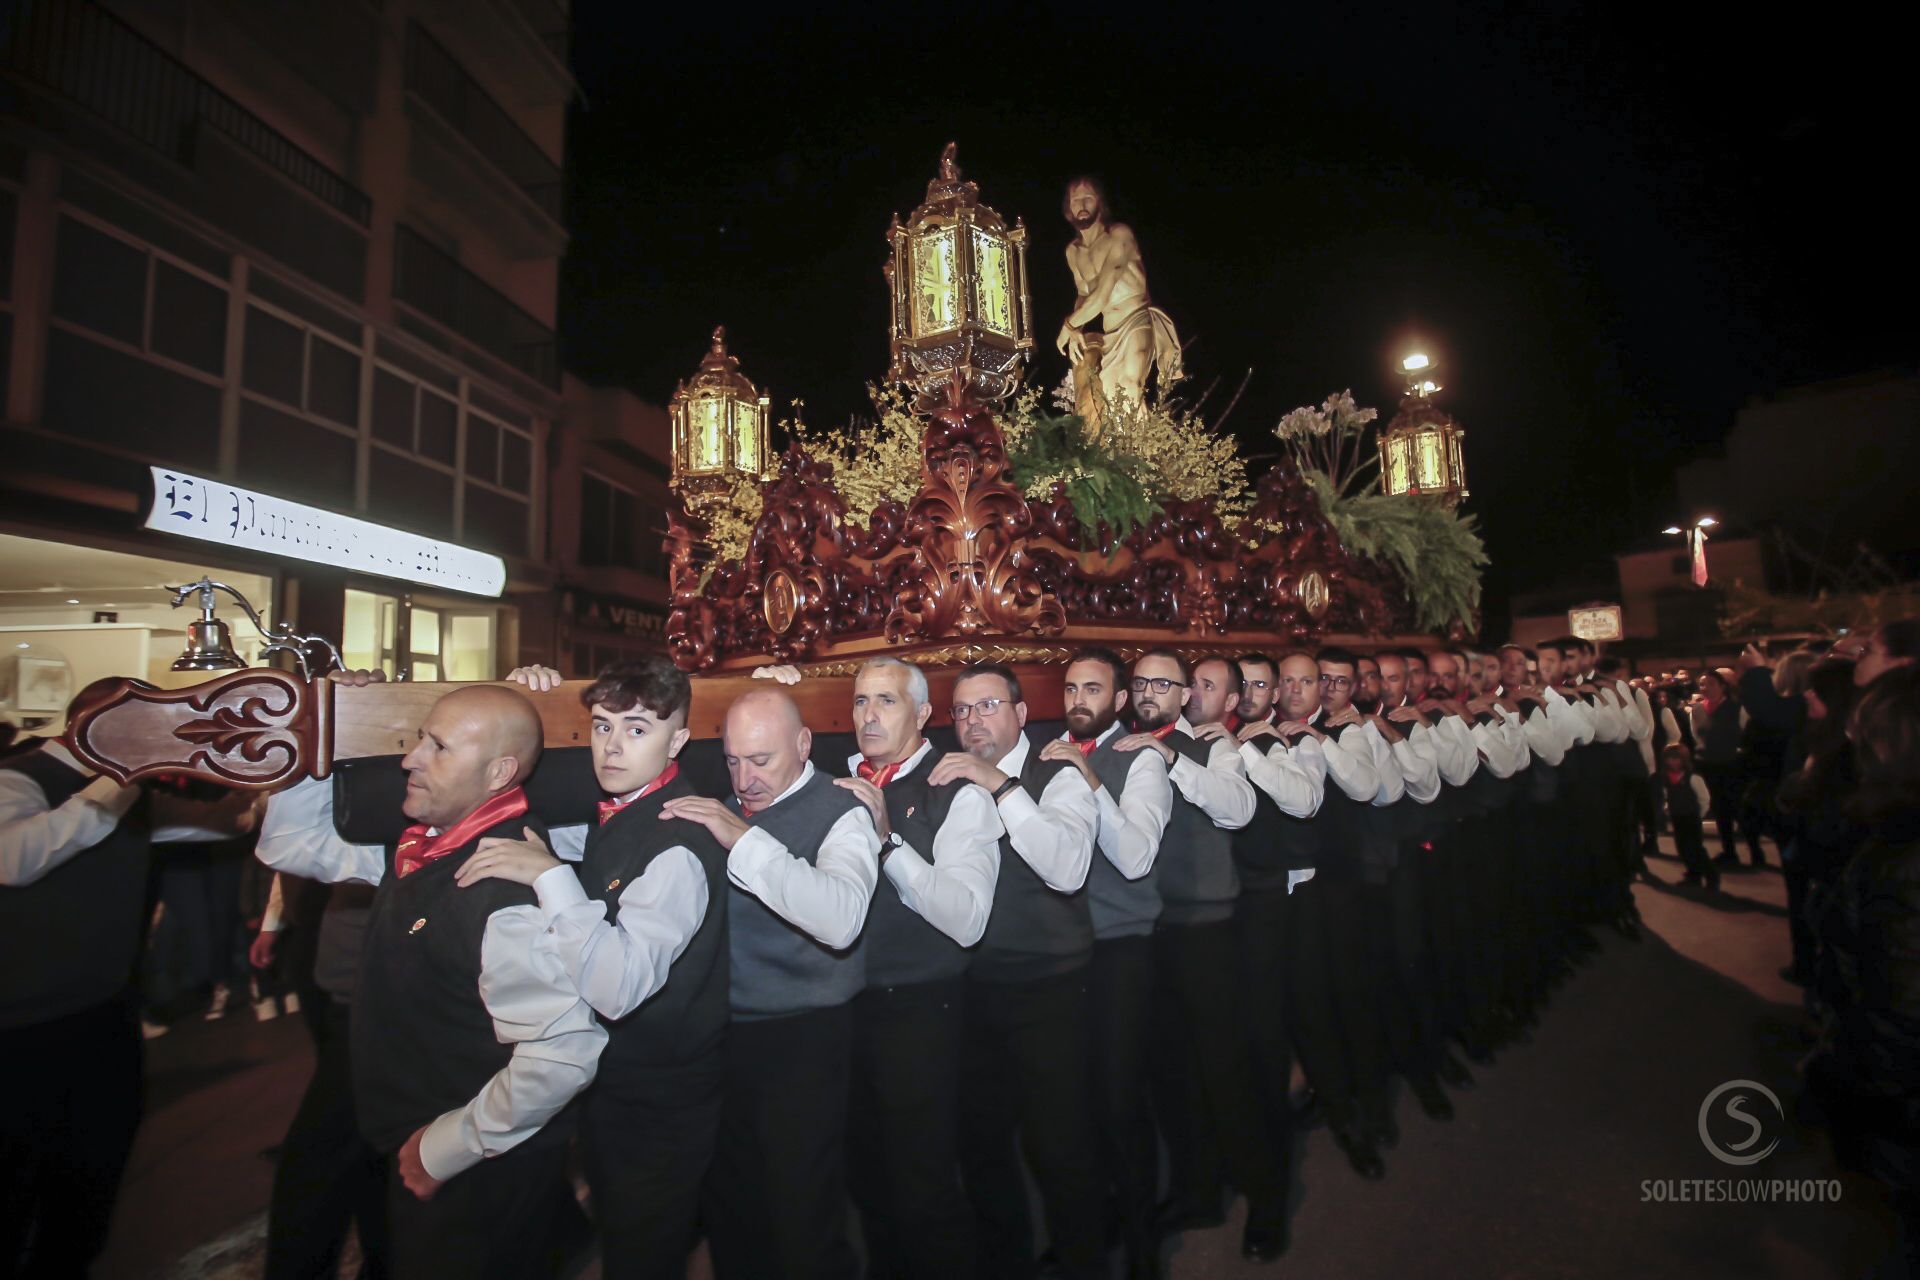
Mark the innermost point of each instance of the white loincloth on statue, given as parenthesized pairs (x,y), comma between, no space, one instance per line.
(1166,341)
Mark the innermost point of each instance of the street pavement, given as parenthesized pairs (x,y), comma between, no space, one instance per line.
(1543,1173)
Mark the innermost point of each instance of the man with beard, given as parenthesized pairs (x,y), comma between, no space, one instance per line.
(1417,674)
(1110,282)
(642,930)
(468,1033)
(1370,692)
(908,1024)
(803,860)
(1124,899)
(1203,1088)
(1327,976)
(1025,1068)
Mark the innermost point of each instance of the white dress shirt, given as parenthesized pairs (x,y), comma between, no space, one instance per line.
(1219,788)
(1131,827)
(36,837)
(1609,718)
(954,891)
(1639,720)
(1349,762)
(1571,716)
(825,899)
(1447,743)
(524,986)
(1295,776)
(1418,771)
(1054,834)
(1496,747)
(1393,783)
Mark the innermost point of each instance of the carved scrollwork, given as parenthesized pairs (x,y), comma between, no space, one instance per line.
(252,729)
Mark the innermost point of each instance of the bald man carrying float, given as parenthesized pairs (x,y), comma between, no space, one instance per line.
(803,860)
(468,1034)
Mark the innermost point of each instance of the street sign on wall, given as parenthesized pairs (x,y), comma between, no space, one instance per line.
(214,511)
(1596,622)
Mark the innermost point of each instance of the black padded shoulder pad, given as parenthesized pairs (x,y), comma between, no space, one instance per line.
(367,794)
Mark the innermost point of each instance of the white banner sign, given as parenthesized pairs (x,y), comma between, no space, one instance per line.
(214,511)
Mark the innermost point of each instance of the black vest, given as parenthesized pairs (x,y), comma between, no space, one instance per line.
(1276,842)
(1682,804)
(774,968)
(1034,932)
(686,1019)
(1197,877)
(902,948)
(68,940)
(423,1042)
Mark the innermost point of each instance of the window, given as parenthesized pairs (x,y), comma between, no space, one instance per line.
(443,644)
(499,454)
(367,635)
(140,298)
(616,529)
(297,366)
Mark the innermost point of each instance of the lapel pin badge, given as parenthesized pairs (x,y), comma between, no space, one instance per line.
(418,925)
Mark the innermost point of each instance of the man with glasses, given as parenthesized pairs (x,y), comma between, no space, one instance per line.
(908,1024)
(1024,1068)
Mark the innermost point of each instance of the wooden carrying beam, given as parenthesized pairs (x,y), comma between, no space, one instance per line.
(264,728)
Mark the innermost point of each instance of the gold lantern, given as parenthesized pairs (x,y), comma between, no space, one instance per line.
(719,428)
(958,279)
(1420,450)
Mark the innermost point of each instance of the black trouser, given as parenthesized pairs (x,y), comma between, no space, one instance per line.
(1025,1073)
(71,1091)
(1689,839)
(494,1221)
(1120,991)
(1328,999)
(328,1176)
(1411,1015)
(647,1136)
(1203,1080)
(902,1152)
(1724,779)
(1261,922)
(776,1197)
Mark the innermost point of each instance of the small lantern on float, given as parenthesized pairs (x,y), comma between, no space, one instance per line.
(958,279)
(1420,450)
(719,428)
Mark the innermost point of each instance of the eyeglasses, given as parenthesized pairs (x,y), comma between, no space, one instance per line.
(984,708)
(1337,682)
(1160,684)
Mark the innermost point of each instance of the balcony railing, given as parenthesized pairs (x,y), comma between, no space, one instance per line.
(549,22)
(85,54)
(438,287)
(458,99)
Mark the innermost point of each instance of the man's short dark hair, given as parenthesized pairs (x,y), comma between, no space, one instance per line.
(1186,672)
(1522,650)
(1100,653)
(1260,658)
(653,683)
(999,671)
(1458,655)
(1609,665)
(1339,657)
(1232,665)
(1566,645)
(1410,654)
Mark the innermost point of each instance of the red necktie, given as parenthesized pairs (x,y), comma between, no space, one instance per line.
(416,848)
(881,775)
(610,807)
(1233,722)
(1165,729)
(1088,747)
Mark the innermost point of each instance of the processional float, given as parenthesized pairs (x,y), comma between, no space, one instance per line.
(970,569)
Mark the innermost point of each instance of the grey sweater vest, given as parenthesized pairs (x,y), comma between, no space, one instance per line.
(775,968)
(1034,932)
(1119,907)
(69,939)
(1197,875)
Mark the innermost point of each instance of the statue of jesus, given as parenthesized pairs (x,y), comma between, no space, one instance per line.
(1135,336)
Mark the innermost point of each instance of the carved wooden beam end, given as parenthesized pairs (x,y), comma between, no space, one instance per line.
(252,729)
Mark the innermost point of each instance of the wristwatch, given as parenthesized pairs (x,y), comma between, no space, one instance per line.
(1004,787)
(893,841)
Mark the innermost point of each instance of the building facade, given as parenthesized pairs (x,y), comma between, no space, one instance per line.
(310,250)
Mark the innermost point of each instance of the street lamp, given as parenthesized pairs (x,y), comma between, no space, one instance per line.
(719,427)
(958,279)
(1420,450)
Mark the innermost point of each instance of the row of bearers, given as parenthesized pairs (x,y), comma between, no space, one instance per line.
(903,981)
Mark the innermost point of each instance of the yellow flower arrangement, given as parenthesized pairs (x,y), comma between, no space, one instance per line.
(873,462)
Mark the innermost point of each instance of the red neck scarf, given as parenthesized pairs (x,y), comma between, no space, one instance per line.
(1087,746)
(1165,729)
(416,848)
(1233,722)
(881,775)
(1676,776)
(610,807)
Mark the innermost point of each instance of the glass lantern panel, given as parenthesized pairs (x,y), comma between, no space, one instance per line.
(992,283)
(1432,463)
(936,290)
(746,436)
(707,423)
(1397,480)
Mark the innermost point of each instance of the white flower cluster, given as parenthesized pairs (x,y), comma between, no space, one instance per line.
(1337,413)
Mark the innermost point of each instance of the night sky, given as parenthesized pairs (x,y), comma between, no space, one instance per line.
(1610,231)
